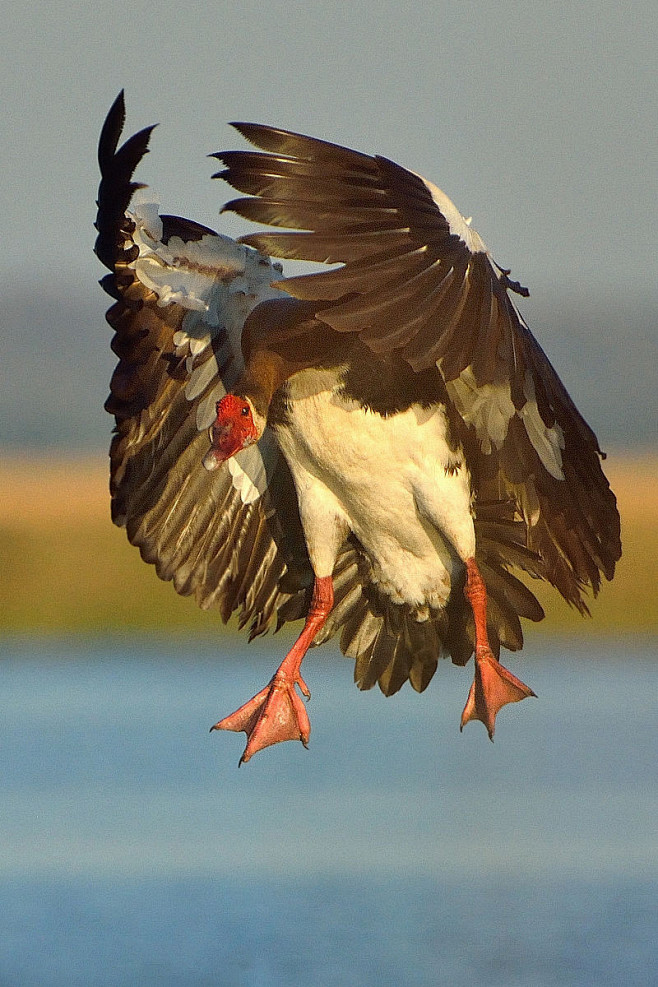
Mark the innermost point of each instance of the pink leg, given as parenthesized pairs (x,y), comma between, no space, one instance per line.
(277,713)
(493,685)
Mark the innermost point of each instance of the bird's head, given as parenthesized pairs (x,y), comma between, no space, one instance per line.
(236,426)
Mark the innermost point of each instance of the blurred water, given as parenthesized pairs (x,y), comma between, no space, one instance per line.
(132,850)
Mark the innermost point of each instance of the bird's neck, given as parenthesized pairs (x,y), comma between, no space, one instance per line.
(265,372)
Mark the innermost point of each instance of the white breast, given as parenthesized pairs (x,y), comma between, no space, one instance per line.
(392,481)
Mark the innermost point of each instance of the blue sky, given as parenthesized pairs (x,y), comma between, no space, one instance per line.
(538,119)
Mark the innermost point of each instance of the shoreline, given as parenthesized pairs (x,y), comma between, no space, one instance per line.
(68,570)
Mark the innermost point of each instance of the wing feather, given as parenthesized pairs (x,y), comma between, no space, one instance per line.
(416,281)
(182,294)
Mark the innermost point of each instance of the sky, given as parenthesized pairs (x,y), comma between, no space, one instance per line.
(538,119)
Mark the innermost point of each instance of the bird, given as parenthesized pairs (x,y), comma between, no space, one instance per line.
(379,448)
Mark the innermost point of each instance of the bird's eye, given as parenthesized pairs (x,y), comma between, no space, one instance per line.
(245,410)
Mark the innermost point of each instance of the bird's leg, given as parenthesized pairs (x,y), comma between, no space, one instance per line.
(493,685)
(277,712)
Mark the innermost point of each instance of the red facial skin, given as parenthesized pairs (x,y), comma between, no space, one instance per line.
(232,430)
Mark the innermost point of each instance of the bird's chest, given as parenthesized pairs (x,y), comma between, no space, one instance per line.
(376,474)
(359,454)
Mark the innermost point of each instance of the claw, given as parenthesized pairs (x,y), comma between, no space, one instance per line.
(493,687)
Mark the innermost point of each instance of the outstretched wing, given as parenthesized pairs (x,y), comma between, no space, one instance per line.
(182,295)
(416,280)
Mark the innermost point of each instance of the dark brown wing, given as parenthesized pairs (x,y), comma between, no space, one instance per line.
(182,296)
(417,281)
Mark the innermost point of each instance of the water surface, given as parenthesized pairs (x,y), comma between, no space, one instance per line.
(395,850)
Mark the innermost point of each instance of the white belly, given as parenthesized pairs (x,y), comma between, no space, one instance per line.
(392,482)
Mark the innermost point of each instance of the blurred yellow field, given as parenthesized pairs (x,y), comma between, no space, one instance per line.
(67,569)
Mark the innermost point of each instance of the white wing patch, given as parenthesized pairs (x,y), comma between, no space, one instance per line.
(250,467)
(488,408)
(459,226)
(548,443)
(206,408)
(216,279)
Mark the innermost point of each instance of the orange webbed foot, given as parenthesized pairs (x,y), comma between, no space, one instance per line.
(275,714)
(493,687)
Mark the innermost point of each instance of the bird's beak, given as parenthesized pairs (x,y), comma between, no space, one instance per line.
(222,447)
(212,460)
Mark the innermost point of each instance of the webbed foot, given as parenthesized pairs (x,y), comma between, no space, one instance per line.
(275,714)
(493,687)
